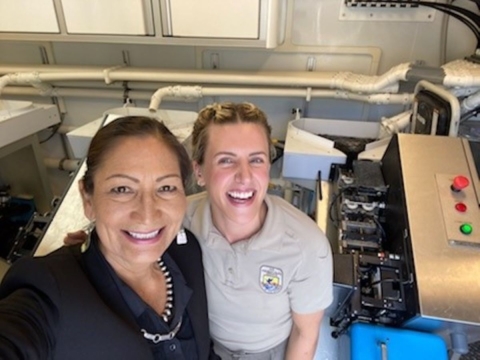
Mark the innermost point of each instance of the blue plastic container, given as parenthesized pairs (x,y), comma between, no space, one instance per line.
(376,342)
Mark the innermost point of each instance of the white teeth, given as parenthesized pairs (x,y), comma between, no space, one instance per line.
(143,236)
(241,195)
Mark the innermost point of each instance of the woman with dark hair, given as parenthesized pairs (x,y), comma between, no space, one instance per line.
(135,289)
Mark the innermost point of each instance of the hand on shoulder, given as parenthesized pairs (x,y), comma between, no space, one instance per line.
(74,238)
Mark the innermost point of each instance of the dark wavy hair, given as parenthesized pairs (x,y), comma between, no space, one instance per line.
(132,126)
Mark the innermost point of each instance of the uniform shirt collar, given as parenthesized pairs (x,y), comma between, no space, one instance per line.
(268,237)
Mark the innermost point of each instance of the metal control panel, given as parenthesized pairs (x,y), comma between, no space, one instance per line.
(409,242)
(424,216)
(460,209)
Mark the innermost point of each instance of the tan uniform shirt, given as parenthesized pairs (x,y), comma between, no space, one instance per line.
(253,285)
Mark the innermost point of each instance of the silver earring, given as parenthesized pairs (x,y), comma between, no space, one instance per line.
(181,237)
(88,231)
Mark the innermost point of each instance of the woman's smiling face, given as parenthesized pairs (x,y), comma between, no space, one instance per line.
(138,201)
(235,171)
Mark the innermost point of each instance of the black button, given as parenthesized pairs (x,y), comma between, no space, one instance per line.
(173,347)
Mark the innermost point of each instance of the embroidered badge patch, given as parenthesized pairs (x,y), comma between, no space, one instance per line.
(271,279)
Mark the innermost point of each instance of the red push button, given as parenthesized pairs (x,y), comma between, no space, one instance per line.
(460,182)
(461,207)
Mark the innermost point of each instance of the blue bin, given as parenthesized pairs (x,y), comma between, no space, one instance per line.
(376,342)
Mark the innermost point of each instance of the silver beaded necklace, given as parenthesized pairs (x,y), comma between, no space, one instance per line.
(167,312)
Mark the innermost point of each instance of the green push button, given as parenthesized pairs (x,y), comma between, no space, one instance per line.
(466,229)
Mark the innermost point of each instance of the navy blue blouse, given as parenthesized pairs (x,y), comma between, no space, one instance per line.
(183,345)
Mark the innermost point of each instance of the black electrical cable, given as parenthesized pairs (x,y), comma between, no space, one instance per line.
(467,17)
(379,225)
(440,6)
(54,131)
(403,282)
(468,13)
(476,2)
(373,283)
(470,114)
(467,22)
(330,207)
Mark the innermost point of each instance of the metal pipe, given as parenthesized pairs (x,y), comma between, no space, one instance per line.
(387,82)
(458,73)
(471,102)
(395,124)
(62,164)
(217,91)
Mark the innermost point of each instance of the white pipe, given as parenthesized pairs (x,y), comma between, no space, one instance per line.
(10,68)
(462,92)
(458,73)
(342,81)
(378,99)
(38,80)
(62,164)
(470,102)
(232,91)
(80,92)
(17,78)
(185,92)
(461,73)
(42,87)
(387,82)
(393,125)
(403,99)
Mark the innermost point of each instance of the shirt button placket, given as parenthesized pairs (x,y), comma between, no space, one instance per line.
(230,274)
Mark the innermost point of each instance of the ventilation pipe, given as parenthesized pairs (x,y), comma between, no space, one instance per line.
(394,125)
(185,92)
(347,81)
(62,164)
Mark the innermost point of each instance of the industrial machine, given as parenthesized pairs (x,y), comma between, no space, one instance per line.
(408,237)
(25,192)
(365,261)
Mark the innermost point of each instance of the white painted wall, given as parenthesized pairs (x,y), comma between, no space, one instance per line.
(317,29)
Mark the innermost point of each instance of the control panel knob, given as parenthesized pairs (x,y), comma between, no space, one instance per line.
(459,182)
